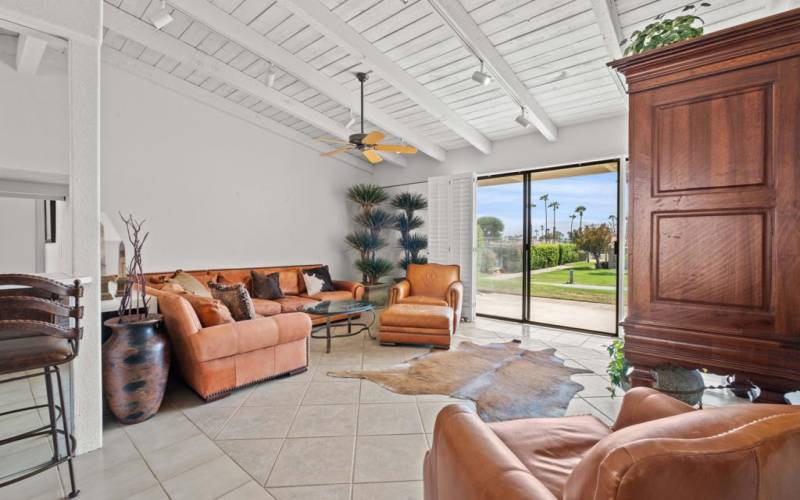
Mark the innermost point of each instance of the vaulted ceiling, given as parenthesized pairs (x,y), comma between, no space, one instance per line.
(546,55)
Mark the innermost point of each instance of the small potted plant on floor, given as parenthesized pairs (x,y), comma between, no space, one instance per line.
(136,355)
(618,369)
(367,241)
(411,243)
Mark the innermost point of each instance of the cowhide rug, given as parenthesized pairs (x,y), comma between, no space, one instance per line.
(505,381)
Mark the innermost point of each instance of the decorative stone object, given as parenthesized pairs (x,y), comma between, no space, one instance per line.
(682,384)
(136,361)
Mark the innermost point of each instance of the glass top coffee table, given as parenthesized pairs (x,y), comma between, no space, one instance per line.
(349,308)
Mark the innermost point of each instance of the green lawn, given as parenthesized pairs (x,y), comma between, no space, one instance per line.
(543,284)
(584,273)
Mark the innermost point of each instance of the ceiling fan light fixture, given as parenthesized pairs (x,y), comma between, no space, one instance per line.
(162,16)
(482,77)
(523,119)
(271,74)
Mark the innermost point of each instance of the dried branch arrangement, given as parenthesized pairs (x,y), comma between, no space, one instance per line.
(134,298)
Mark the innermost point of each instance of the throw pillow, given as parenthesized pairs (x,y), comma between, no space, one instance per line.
(210,312)
(317,280)
(190,284)
(266,286)
(235,298)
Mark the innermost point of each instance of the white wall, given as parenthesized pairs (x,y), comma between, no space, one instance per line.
(33,113)
(600,139)
(217,191)
(18,241)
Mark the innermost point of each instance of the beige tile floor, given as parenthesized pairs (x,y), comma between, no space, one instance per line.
(306,437)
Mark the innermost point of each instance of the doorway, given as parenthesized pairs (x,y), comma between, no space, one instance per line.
(548,246)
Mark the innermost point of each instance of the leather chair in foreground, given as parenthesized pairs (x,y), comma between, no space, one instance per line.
(658,449)
(425,308)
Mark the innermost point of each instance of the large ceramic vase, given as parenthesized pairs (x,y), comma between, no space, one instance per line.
(135,368)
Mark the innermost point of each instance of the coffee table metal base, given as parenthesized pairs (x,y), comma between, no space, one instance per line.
(328,336)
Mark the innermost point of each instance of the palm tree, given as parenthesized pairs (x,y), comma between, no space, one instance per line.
(579,210)
(612,219)
(555,205)
(571,222)
(544,198)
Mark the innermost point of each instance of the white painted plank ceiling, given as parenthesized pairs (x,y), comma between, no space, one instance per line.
(555,47)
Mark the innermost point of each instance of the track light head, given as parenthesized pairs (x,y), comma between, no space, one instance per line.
(161,17)
(481,77)
(522,119)
(271,76)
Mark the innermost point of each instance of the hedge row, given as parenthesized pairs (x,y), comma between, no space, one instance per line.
(553,254)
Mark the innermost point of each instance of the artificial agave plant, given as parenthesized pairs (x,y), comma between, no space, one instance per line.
(368,241)
(411,243)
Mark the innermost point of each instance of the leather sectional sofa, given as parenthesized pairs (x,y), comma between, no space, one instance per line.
(215,360)
(658,449)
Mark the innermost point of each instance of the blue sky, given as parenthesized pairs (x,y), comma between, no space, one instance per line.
(597,192)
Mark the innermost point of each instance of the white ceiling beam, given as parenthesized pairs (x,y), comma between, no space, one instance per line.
(319,17)
(29,53)
(145,34)
(611,29)
(233,29)
(182,87)
(454,13)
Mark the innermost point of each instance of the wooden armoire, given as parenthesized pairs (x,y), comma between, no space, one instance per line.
(714,218)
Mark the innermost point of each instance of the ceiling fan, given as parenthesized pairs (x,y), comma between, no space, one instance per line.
(367,143)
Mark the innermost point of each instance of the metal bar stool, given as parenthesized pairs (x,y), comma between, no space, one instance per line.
(39,331)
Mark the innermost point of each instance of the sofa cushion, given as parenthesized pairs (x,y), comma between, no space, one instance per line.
(235,298)
(294,303)
(551,447)
(335,295)
(423,300)
(210,312)
(291,282)
(190,284)
(266,286)
(266,307)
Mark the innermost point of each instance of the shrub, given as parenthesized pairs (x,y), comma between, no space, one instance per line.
(567,253)
(510,258)
(544,255)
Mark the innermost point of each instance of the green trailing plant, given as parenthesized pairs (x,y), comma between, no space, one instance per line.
(665,31)
(412,244)
(618,368)
(367,241)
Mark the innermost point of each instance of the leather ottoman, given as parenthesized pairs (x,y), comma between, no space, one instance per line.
(416,324)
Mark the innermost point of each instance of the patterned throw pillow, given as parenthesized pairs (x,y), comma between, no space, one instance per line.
(317,280)
(266,286)
(235,298)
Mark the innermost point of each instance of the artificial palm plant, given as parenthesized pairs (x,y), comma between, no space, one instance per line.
(368,241)
(412,244)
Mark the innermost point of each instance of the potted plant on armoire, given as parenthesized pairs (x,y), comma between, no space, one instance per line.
(367,240)
(136,356)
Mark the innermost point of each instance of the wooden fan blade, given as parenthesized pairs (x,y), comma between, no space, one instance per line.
(372,138)
(372,156)
(332,140)
(337,151)
(396,148)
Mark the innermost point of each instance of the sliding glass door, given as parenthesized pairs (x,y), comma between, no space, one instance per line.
(500,244)
(547,246)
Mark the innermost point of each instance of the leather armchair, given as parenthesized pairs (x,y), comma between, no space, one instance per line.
(658,449)
(432,285)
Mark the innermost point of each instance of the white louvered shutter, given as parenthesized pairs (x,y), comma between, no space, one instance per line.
(451,229)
